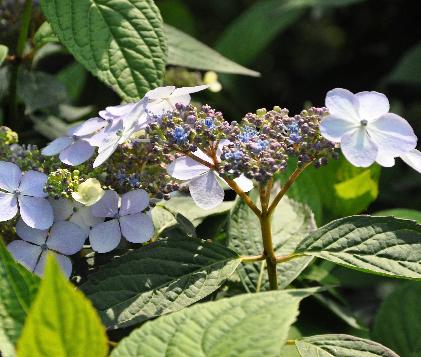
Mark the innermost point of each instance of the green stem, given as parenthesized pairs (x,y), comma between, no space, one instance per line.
(13,119)
(266,228)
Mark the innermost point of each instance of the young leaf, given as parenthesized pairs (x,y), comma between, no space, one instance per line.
(44,35)
(379,245)
(120,42)
(245,325)
(291,222)
(18,288)
(159,278)
(186,51)
(398,324)
(3,53)
(61,322)
(341,346)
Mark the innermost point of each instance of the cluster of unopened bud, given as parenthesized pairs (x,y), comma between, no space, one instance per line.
(62,183)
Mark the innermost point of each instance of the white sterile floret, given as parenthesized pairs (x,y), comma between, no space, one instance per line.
(204,186)
(64,238)
(365,129)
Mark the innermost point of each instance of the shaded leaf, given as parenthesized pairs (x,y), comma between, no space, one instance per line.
(61,322)
(408,70)
(379,245)
(120,42)
(245,325)
(4,50)
(401,213)
(398,324)
(44,35)
(186,51)
(157,279)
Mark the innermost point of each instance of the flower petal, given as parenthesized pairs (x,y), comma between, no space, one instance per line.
(33,183)
(105,154)
(107,206)
(85,219)
(413,159)
(343,104)
(185,168)
(188,90)
(64,262)
(57,146)
(160,92)
(333,128)
(66,238)
(206,191)
(385,159)
(8,206)
(10,176)
(77,153)
(358,148)
(392,134)
(137,228)
(372,105)
(90,126)
(244,183)
(62,208)
(134,202)
(31,235)
(36,212)
(25,253)
(105,236)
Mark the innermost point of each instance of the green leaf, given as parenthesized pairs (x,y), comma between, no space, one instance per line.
(341,346)
(39,90)
(18,288)
(4,50)
(291,222)
(121,42)
(186,51)
(380,245)
(245,325)
(61,322)
(401,213)
(408,70)
(44,35)
(67,77)
(262,22)
(196,215)
(157,279)
(398,324)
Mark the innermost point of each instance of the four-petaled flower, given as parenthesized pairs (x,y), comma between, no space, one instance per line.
(203,183)
(74,149)
(365,129)
(126,219)
(24,192)
(64,238)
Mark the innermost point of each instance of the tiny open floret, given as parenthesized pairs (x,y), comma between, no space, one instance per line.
(24,193)
(366,131)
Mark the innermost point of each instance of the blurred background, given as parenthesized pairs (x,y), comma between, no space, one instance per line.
(302,48)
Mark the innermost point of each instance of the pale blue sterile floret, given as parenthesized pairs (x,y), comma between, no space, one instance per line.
(24,193)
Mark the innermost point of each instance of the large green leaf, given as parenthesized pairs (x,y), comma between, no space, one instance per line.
(186,206)
(379,245)
(398,323)
(262,22)
(61,322)
(341,346)
(18,288)
(159,278)
(186,51)
(291,222)
(408,70)
(119,41)
(245,325)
